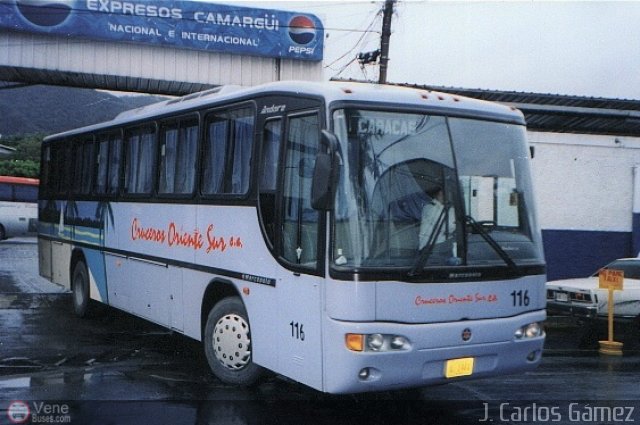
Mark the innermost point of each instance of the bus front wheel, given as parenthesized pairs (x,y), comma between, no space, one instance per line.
(80,288)
(227,343)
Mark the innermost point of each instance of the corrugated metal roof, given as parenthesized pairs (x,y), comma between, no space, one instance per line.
(561,113)
(69,79)
(565,113)
(67,61)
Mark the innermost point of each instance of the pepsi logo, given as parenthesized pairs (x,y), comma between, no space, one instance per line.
(45,13)
(302,30)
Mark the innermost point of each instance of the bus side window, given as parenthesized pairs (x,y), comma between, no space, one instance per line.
(6,192)
(77,150)
(299,220)
(115,159)
(243,124)
(59,170)
(270,158)
(102,164)
(109,151)
(84,160)
(45,169)
(178,148)
(88,161)
(140,160)
(26,193)
(216,143)
(227,152)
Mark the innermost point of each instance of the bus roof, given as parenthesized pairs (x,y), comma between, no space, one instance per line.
(330,91)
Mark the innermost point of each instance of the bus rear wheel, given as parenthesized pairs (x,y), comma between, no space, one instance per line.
(227,343)
(80,289)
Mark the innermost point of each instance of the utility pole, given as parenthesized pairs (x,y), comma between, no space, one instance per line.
(384,42)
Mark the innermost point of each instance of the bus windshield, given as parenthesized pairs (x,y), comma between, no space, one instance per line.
(420,191)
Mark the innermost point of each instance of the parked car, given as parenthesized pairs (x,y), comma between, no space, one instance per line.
(582,297)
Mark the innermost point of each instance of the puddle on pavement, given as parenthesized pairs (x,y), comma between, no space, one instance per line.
(49,380)
(22,301)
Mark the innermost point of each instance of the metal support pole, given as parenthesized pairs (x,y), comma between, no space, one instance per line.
(385,39)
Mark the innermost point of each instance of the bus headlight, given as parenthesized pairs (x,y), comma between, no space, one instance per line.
(399,342)
(376,342)
(532,330)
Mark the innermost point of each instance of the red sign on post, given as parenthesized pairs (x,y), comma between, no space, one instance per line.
(611,279)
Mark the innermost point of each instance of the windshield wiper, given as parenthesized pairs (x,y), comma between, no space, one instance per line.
(427,249)
(492,243)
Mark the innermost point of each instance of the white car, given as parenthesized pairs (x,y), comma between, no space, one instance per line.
(583,298)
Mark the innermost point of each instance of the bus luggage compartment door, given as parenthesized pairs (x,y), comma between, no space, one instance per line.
(44,258)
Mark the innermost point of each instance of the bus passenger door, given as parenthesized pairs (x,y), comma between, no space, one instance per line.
(300,241)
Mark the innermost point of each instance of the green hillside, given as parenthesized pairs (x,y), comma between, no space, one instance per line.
(28,114)
(51,109)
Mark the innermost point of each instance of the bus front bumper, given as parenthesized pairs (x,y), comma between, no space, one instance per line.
(433,352)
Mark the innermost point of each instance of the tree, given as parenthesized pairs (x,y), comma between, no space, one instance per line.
(25,162)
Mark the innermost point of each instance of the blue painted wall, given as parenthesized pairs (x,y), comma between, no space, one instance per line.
(574,253)
(636,233)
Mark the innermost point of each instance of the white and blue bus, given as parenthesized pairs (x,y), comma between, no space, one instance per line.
(18,206)
(351,237)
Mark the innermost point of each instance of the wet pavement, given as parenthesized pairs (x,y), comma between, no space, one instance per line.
(113,368)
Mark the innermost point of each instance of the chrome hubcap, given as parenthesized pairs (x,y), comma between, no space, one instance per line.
(231,343)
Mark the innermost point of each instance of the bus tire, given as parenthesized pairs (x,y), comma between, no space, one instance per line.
(3,234)
(227,343)
(80,289)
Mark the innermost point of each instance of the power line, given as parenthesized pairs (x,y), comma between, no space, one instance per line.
(345,67)
(355,46)
(364,33)
(366,22)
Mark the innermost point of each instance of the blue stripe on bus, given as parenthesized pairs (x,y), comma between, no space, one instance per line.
(88,235)
(96,265)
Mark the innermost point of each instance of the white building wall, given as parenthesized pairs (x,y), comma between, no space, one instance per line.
(585,194)
(584,182)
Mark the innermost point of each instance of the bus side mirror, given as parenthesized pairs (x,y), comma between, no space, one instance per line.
(325,173)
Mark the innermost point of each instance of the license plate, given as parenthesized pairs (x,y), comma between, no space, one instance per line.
(562,297)
(459,367)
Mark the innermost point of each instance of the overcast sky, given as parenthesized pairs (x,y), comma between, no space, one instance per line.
(582,48)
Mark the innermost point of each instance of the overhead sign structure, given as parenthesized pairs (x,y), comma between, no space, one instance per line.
(183,24)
